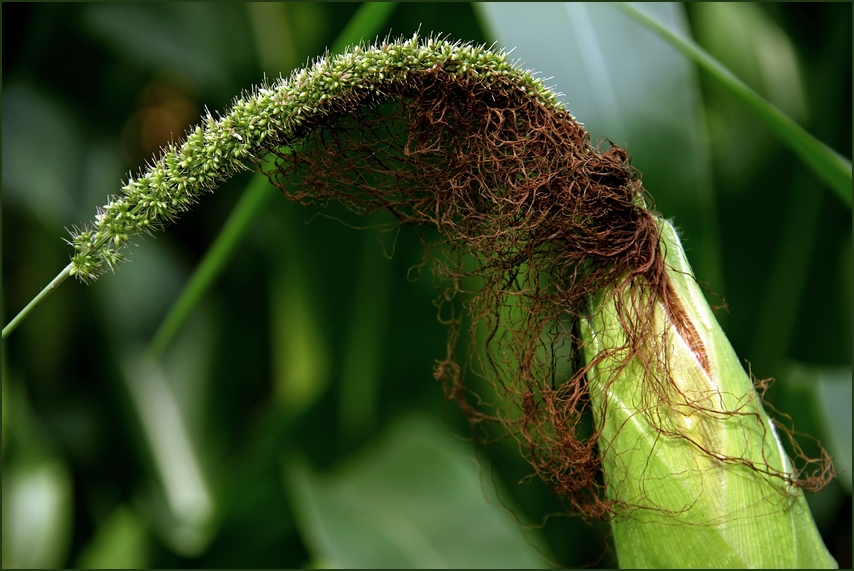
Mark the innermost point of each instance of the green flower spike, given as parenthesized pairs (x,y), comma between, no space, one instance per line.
(262,120)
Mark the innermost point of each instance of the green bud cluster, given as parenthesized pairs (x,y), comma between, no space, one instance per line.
(271,116)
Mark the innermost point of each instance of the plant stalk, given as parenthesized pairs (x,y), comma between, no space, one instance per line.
(60,277)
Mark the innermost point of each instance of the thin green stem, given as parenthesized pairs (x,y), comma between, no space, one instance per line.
(60,277)
(258,195)
(827,164)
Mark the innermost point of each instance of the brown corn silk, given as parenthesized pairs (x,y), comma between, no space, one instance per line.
(533,221)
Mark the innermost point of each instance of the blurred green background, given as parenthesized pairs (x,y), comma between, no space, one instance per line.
(294,420)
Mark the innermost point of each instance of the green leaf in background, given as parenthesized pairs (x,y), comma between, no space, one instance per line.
(38,494)
(300,351)
(835,398)
(166,397)
(827,164)
(37,514)
(177,39)
(358,393)
(182,505)
(416,499)
(746,39)
(257,196)
(36,172)
(366,24)
(120,542)
(829,389)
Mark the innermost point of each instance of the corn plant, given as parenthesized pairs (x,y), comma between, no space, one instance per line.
(577,293)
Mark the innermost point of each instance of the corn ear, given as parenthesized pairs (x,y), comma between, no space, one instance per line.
(694,466)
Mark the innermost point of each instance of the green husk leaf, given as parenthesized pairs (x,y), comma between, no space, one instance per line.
(700,464)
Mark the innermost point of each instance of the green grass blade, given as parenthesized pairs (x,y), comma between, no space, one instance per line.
(828,165)
(361,375)
(258,195)
(367,21)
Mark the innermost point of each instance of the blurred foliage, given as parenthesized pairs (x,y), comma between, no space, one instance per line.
(305,369)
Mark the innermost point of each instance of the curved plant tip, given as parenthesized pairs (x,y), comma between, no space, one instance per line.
(583,307)
(265,119)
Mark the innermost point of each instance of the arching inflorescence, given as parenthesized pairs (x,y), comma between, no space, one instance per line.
(271,116)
